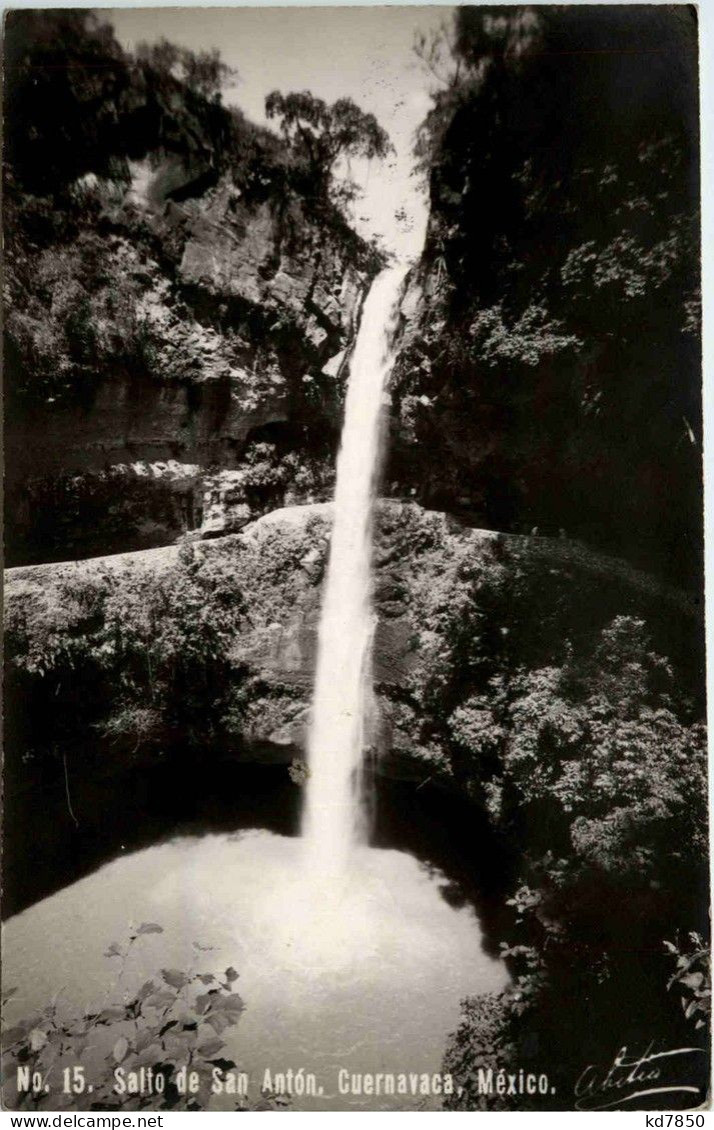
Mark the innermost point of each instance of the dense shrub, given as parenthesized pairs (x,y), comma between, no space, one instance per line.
(555,354)
(597,771)
(565,702)
(155,646)
(176,1021)
(159,657)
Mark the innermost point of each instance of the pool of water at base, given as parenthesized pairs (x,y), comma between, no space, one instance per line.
(363,978)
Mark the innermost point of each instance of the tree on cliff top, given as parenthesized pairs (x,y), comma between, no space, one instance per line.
(65,74)
(203,72)
(318,135)
(77,103)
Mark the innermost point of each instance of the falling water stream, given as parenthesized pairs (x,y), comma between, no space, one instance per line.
(334,817)
(351,957)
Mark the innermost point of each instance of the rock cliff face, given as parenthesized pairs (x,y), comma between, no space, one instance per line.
(250,332)
(551,375)
(459,610)
(178,320)
(179,328)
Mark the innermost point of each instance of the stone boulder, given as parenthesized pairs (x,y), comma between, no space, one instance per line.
(433,575)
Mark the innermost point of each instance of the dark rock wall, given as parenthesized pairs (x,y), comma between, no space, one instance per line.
(176,310)
(551,372)
(249,336)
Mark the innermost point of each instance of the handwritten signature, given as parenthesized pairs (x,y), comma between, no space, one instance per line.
(630,1077)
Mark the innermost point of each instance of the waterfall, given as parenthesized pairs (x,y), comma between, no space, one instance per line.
(334,815)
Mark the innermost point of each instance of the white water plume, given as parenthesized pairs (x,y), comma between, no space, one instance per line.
(333,820)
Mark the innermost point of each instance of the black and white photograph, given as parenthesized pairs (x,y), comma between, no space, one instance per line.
(354,697)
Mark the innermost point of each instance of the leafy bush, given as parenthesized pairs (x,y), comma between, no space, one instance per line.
(693,978)
(601,742)
(176,1020)
(155,646)
(167,655)
(481,1042)
(576,727)
(602,778)
(560,281)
